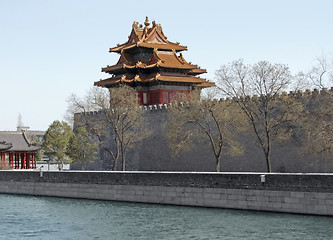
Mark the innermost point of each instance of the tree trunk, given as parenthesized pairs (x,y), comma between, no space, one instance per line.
(114,167)
(218,164)
(268,162)
(123,162)
(60,166)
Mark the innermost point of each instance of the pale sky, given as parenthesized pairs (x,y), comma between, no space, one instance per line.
(50,49)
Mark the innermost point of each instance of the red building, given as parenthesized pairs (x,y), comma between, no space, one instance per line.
(16,151)
(154,66)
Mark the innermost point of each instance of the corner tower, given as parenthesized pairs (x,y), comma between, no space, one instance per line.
(153,66)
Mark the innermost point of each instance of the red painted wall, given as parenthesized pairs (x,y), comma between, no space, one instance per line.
(159,96)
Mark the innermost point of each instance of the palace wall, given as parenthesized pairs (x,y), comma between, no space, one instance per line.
(290,193)
(153,154)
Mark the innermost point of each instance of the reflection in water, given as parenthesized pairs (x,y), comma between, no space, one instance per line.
(28,217)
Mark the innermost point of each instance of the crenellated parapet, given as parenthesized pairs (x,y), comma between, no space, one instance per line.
(306,94)
(91,113)
(298,94)
(144,108)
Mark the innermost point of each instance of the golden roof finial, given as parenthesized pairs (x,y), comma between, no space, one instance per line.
(147,23)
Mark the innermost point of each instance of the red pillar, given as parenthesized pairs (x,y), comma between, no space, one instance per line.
(30,160)
(22,160)
(15,160)
(27,162)
(35,157)
(3,158)
(11,159)
(18,160)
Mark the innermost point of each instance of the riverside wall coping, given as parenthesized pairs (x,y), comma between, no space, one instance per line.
(302,182)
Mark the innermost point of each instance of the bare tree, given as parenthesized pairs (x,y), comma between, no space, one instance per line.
(215,121)
(257,89)
(119,116)
(321,74)
(318,124)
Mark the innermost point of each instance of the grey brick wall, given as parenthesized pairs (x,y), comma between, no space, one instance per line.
(292,193)
(154,154)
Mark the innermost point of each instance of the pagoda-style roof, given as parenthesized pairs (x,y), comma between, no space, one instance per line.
(148,37)
(142,78)
(161,59)
(149,58)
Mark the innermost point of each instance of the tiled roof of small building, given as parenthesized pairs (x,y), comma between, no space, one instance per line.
(18,142)
(5,146)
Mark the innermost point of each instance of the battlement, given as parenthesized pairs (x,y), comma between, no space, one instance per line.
(307,93)
(156,107)
(299,94)
(144,108)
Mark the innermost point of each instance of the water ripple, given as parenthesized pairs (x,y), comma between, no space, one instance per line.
(28,217)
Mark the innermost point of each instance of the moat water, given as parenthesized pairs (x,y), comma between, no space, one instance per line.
(29,217)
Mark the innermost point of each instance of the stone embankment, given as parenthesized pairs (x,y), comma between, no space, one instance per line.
(291,193)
